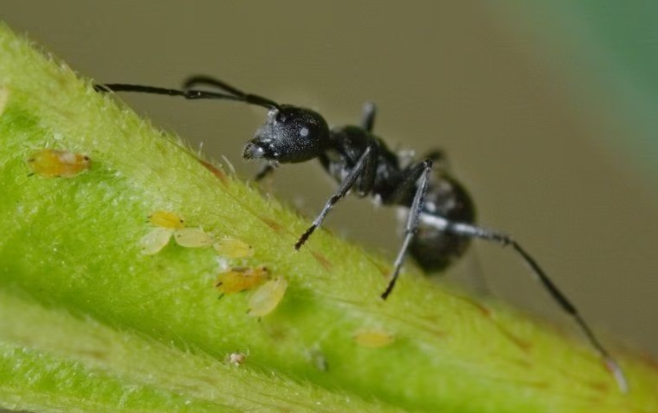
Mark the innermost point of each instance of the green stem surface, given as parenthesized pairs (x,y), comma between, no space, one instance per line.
(89,323)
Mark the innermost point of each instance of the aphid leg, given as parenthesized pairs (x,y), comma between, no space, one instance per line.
(266,170)
(344,188)
(473,231)
(418,173)
(368,118)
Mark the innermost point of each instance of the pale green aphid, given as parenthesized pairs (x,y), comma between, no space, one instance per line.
(192,238)
(265,299)
(155,241)
(233,248)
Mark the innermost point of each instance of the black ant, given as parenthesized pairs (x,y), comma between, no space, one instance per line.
(439,222)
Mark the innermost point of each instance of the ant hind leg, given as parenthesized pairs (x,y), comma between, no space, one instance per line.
(504,240)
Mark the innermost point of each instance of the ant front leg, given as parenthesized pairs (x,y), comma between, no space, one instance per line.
(344,188)
(265,171)
(419,173)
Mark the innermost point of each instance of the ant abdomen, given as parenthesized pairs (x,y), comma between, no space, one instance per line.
(435,249)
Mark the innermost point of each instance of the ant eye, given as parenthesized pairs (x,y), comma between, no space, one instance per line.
(303,132)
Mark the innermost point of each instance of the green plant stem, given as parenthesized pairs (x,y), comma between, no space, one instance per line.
(88,323)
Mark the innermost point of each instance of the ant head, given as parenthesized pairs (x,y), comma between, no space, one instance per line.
(290,134)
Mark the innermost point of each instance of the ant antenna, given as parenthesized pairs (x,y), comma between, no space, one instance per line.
(191,82)
(233,93)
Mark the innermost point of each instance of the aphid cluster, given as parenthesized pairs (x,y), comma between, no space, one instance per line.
(268,294)
(167,225)
(439,222)
(268,291)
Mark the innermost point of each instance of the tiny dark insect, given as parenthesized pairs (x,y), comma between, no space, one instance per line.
(439,213)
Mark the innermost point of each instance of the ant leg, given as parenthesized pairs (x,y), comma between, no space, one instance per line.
(407,158)
(419,173)
(266,170)
(439,157)
(436,155)
(344,188)
(504,240)
(368,117)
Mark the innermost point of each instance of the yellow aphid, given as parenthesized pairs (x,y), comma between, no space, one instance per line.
(241,278)
(373,338)
(192,238)
(155,240)
(166,219)
(53,163)
(233,248)
(4,97)
(265,299)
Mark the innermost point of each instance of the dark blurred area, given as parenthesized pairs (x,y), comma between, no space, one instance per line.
(477,80)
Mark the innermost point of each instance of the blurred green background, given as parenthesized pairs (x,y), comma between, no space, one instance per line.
(546,109)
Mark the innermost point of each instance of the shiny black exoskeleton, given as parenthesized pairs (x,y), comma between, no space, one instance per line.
(439,214)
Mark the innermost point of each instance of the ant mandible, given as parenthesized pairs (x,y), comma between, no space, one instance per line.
(439,224)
